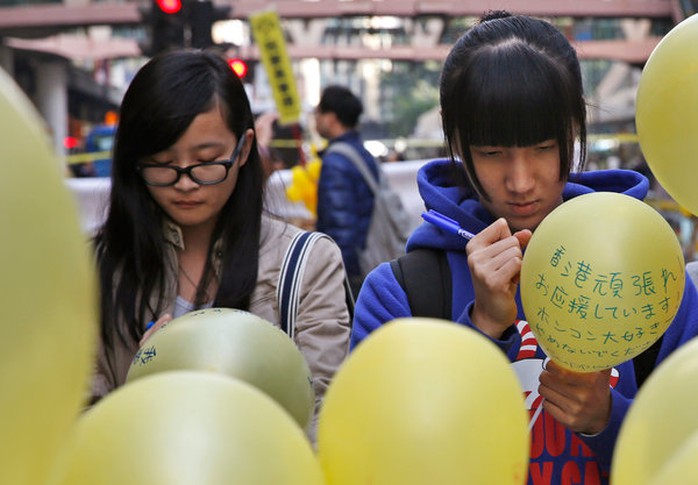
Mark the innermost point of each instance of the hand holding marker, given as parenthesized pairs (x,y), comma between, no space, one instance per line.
(446,223)
(449,225)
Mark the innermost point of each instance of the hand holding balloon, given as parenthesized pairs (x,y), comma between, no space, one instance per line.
(153,327)
(579,401)
(494,258)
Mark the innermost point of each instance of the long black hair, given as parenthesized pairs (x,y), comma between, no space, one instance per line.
(512,81)
(161,102)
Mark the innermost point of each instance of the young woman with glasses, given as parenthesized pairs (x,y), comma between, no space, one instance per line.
(186,227)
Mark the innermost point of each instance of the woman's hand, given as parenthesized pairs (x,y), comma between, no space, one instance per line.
(494,258)
(156,326)
(579,401)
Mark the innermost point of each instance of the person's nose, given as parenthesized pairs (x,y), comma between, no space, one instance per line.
(520,176)
(185,182)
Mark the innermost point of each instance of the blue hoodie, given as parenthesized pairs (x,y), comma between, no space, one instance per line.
(556,458)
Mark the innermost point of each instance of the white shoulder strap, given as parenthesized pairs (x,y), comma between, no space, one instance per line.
(290,277)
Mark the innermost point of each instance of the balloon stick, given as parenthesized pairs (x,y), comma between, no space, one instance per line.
(534,418)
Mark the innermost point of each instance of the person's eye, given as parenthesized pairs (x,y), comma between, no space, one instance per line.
(159,163)
(547,146)
(211,157)
(489,152)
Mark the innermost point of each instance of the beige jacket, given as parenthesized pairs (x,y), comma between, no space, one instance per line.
(323,321)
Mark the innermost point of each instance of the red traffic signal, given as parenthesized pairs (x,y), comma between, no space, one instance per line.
(238,66)
(169,6)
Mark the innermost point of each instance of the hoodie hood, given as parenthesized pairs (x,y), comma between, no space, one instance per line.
(438,187)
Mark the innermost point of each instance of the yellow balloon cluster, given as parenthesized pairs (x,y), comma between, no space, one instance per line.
(409,407)
(601,280)
(47,327)
(304,181)
(235,343)
(667,112)
(184,428)
(658,441)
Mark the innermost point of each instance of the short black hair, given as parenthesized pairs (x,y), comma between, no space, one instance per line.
(343,103)
(512,81)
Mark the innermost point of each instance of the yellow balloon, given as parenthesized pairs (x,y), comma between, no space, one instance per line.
(682,467)
(661,421)
(601,280)
(48,322)
(299,177)
(310,201)
(667,112)
(313,168)
(235,343)
(303,188)
(294,193)
(424,401)
(185,428)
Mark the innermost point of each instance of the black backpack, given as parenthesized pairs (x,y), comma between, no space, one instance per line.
(425,277)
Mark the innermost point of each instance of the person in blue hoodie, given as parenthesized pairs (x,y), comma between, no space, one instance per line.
(513,113)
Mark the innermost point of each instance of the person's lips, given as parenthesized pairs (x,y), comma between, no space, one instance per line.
(523,208)
(187,204)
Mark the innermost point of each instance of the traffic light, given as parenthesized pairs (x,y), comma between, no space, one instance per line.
(166,19)
(202,15)
(170,7)
(239,67)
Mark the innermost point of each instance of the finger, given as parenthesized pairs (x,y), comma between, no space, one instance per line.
(524,237)
(498,252)
(552,393)
(497,267)
(555,411)
(161,322)
(496,231)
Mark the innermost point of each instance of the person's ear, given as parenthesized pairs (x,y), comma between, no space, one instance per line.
(247,146)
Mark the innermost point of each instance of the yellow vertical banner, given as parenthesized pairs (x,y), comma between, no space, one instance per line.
(269,37)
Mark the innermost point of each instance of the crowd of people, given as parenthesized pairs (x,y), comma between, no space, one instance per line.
(187,228)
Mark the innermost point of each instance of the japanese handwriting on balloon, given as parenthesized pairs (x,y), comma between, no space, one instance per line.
(586,295)
(601,280)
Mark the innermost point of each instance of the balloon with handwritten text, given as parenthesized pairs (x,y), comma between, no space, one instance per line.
(667,112)
(235,343)
(601,280)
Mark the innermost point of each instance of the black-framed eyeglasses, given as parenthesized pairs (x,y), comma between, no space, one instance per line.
(205,173)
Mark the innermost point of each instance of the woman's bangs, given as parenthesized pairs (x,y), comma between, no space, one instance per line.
(515,102)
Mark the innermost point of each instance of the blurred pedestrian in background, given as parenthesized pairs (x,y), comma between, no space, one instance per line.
(345,200)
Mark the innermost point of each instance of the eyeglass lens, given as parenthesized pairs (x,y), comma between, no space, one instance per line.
(210,173)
